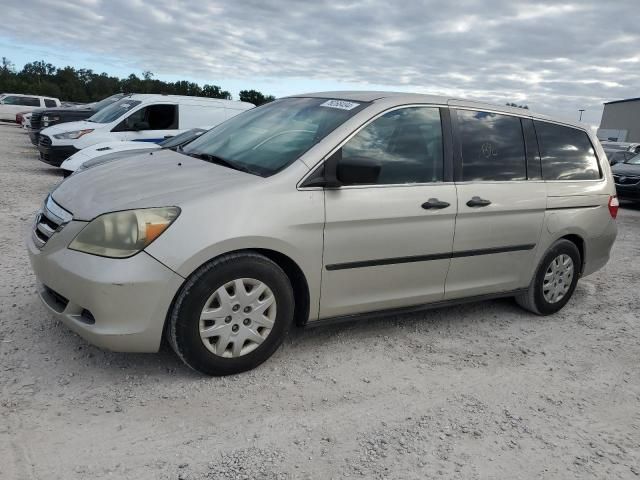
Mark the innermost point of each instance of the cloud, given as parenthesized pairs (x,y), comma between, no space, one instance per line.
(555,56)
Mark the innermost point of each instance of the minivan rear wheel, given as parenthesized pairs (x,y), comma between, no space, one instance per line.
(555,279)
(232,314)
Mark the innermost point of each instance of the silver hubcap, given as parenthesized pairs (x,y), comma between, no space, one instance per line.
(558,278)
(237,318)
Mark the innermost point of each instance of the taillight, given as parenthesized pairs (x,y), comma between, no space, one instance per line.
(613,206)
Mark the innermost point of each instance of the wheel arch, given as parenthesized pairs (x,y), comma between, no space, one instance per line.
(299,283)
(578,241)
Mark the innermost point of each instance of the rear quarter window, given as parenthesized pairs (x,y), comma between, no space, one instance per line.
(567,153)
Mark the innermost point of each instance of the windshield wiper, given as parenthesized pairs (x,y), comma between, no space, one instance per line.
(207,157)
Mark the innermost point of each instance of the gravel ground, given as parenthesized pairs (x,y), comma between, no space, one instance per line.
(477,391)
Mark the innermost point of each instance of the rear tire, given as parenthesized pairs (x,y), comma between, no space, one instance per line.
(232,314)
(554,281)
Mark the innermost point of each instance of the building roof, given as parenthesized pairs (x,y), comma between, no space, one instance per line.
(622,101)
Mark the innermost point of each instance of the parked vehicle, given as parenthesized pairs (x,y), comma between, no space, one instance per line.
(26,120)
(109,151)
(44,118)
(323,207)
(140,118)
(625,146)
(13,103)
(20,117)
(626,176)
(617,156)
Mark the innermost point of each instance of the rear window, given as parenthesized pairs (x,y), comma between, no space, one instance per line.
(567,153)
(492,146)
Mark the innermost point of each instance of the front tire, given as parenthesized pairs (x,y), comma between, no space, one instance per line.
(232,314)
(555,279)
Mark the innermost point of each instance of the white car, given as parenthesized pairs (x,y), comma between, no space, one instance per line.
(138,118)
(13,103)
(108,151)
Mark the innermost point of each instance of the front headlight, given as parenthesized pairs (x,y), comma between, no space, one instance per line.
(123,234)
(73,135)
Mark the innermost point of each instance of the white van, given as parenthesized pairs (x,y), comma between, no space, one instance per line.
(107,151)
(12,103)
(139,118)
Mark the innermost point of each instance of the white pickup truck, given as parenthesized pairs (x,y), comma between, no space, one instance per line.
(12,103)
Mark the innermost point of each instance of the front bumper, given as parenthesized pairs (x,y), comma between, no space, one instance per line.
(55,155)
(116,304)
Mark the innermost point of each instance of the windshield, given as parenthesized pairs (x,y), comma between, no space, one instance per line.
(266,139)
(634,160)
(183,138)
(113,111)
(105,102)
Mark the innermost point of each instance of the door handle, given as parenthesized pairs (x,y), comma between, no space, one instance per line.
(478,202)
(434,204)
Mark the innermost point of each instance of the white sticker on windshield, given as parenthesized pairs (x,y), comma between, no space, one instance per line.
(126,105)
(341,104)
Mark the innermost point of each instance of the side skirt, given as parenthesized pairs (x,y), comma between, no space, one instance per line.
(405,310)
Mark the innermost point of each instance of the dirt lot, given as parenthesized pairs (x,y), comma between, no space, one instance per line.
(477,391)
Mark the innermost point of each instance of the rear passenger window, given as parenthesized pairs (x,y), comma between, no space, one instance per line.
(567,153)
(407,143)
(30,101)
(49,103)
(492,146)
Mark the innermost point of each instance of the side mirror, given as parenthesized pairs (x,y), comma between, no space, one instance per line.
(337,172)
(358,171)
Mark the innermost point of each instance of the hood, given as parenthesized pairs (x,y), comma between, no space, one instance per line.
(625,169)
(104,148)
(110,157)
(70,127)
(78,110)
(156,179)
(104,151)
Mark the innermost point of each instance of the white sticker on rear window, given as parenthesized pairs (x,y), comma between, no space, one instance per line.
(341,104)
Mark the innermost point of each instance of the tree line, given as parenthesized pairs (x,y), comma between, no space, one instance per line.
(84,85)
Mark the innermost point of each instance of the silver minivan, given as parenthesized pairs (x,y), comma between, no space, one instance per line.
(323,207)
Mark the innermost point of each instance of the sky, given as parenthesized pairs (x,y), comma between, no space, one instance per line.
(555,56)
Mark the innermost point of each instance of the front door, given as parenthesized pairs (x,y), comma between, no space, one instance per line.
(388,244)
(153,123)
(501,204)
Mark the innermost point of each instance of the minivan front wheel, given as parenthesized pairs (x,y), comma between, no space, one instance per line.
(555,279)
(231,314)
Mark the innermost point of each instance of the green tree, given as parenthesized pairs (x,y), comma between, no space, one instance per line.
(509,104)
(85,85)
(7,66)
(255,97)
(214,91)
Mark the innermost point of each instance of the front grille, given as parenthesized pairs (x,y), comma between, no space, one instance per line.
(45,141)
(624,180)
(36,120)
(50,220)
